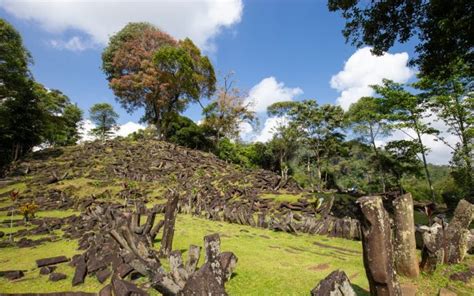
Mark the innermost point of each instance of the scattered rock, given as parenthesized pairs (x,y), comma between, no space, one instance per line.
(446,292)
(408,289)
(124,288)
(335,284)
(56,276)
(51,261)
(47,270)
(103,275)
(12,274)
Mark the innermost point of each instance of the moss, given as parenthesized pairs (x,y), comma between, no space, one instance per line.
(281,197)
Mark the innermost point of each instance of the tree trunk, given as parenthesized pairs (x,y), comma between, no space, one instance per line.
(377,247)
(406,261)
(372,137)
(425,163)
(170,220)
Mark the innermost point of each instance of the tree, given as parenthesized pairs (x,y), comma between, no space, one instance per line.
(105,119)
(21,120)
(148,68)
(367,119)
(228,111)
(319,126)
(452,100)
(185,132)
(443,28)
(284,145)
(408,111)
(61,117)
(400,159)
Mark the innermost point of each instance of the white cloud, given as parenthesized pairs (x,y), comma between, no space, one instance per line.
(122,131)
(270,128)
(439,153)
(363,69)
(201,20)
(128,128)
(269,91)
(75,43)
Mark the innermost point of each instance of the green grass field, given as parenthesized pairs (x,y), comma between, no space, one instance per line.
(269,263)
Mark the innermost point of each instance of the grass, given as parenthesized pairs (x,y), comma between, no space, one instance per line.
(270,263)
(288,197)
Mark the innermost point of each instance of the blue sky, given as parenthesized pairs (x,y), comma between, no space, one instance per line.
(297,42)
(279,50)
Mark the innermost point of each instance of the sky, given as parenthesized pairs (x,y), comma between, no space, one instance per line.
(279,51)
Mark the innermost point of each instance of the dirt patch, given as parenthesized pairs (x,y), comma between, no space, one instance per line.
(319,267)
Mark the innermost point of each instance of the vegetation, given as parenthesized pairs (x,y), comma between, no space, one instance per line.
(442,28)
(105,119)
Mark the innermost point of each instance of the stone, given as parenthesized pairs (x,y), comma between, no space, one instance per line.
(125,288)
(335,284)
(377,247)
(123,270)
(12,274)
(56,276)
(446,292)
(45,270)
(408,289)
(106,291)
(51,261)
(406,260)
(80,272)
(168,227)
(103,275)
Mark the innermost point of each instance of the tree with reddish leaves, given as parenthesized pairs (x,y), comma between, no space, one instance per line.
(148,68)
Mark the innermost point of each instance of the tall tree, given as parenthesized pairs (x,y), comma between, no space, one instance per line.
(407,111)
(148,68)
(105,119)
(367,119)
(319,126)
(185,76)
(61,117)
(284,145)
(21,120)
(228,110)
(443,28)
(452,100)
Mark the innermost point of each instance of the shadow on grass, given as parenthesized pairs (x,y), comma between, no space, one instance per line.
(360,291)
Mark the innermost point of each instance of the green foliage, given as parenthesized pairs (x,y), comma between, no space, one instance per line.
(61,117)
(443,29)
(185,132)
(105,119)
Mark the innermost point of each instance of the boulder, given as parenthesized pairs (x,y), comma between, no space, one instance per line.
(335,284)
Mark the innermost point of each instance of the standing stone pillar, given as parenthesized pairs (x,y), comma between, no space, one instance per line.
(406,260)
(168,227)
(377,247)
(457,233)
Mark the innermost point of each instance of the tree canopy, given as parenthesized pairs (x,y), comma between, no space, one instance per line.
(442,28)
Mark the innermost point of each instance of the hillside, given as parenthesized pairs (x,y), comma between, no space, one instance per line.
(274,233)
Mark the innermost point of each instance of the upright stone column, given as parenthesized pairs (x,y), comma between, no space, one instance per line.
(457,233)
(377,247)
(406,260)
(168,227)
